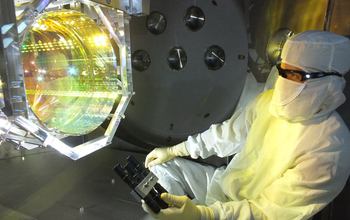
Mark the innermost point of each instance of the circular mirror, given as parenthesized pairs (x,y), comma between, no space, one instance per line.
(70,73)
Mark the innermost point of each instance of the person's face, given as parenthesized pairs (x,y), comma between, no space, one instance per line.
(296,77)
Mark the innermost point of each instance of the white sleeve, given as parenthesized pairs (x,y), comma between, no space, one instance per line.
(299,193)
(223,139)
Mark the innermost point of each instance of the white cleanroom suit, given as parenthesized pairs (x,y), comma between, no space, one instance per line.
(292,145)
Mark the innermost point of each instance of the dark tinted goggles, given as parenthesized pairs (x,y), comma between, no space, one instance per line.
(304,75)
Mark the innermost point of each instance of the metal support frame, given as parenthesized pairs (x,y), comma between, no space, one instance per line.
(135,7)
(123,43)
(28,15)
(20,130)
(11,63)
(328,16)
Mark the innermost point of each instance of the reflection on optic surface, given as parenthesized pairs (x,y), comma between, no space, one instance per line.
(194,18)
(156,23)
(70,72)
(177,58)
(275,44)
(141,60)
(214,57)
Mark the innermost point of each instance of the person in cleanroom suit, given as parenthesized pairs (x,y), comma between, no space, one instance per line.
(293,147)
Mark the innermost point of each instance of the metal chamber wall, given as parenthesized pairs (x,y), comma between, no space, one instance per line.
(189,67)
(170,105)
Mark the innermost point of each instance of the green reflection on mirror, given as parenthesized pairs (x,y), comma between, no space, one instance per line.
(70,72)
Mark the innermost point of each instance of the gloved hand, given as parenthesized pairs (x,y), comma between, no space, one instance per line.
(161,155)
(183,209)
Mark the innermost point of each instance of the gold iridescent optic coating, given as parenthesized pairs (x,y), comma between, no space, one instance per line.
(70,72)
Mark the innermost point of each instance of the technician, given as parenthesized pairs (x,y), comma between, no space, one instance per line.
(292,146)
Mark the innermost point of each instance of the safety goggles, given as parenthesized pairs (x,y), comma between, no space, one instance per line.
(304,75)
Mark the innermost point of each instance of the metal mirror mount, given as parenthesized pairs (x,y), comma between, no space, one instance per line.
(194,18)
(276,43)
(141,60)
(214,57)
(156,23)
(177,58)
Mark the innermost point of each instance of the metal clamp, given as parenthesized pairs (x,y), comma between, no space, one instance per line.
(146,184)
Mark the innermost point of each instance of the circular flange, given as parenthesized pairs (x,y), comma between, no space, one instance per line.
(141,60)
(177,58)
(194,18)
(156,23)
(276,43)
(214,57)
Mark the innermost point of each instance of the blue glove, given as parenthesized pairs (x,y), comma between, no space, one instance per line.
(180,208)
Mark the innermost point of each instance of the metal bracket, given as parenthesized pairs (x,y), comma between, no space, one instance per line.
(146,184)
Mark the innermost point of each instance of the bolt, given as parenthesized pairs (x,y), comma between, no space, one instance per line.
(18,147)
(241,57)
